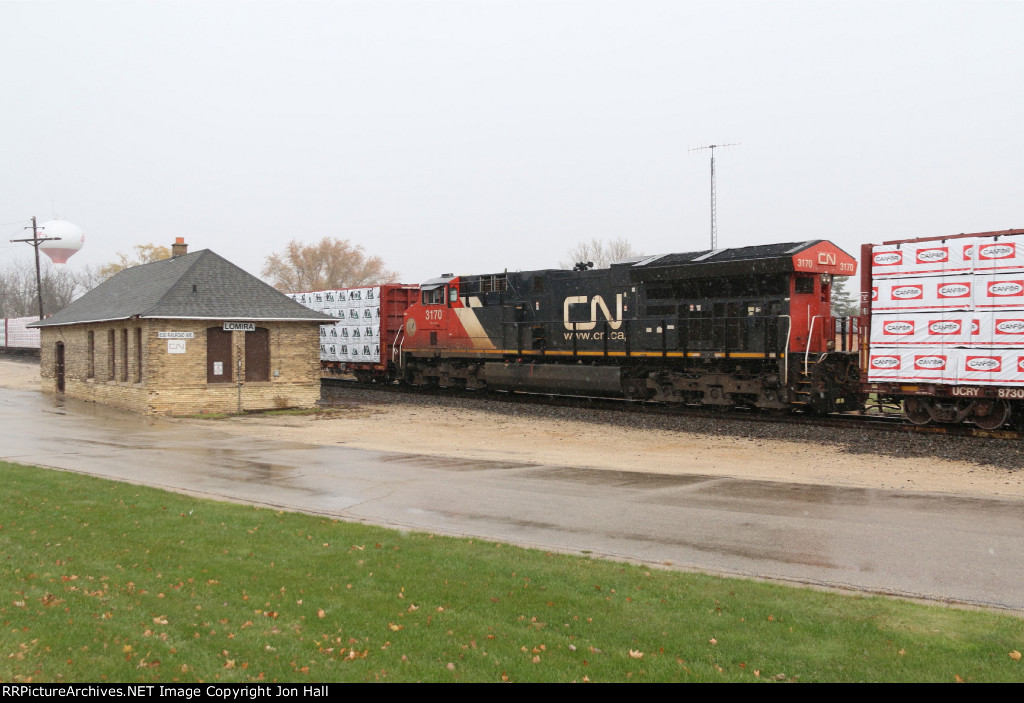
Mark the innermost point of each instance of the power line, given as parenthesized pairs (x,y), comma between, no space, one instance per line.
(35,241)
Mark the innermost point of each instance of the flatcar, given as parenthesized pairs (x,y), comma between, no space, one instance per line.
(745,327)
(368,321)
(946,320)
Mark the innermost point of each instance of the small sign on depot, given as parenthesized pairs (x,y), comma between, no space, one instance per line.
(239,326)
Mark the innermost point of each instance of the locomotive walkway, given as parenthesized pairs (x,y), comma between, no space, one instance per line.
(937,546)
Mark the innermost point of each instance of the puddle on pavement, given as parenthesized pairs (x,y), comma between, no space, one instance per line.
(624,479)
(451,463)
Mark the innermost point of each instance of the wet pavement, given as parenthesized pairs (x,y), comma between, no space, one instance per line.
(937,546)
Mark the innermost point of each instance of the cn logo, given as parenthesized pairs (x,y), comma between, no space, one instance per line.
(826,258)
(595,303)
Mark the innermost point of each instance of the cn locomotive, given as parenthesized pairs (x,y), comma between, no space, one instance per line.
(745,327)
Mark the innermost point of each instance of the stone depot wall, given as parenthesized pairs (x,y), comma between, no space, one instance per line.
(176,383)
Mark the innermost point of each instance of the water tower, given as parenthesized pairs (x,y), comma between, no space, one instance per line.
(68,240)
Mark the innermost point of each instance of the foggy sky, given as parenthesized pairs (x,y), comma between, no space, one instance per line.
(479,136)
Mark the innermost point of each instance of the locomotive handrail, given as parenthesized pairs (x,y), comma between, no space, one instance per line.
(810,336)
(785,363)
(396,348)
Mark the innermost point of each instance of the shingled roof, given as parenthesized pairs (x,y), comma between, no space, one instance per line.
(201,286)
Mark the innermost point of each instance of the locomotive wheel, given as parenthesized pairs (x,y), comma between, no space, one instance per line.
(916,411)
(991,414)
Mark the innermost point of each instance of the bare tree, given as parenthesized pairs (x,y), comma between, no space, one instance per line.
(844,302)
(18,288)
(330,263)
(144,253)
(601,252)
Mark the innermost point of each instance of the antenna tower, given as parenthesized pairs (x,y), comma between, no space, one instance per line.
(714,210)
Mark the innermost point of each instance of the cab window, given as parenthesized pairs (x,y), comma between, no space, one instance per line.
(434,296)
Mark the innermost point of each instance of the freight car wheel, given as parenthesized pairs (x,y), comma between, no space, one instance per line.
(991,414)
(916,411)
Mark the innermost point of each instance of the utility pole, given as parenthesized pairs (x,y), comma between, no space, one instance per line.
(35,242)
(714,211)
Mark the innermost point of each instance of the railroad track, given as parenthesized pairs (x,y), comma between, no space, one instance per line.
(861,421)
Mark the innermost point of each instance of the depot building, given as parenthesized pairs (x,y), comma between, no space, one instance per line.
(189,334)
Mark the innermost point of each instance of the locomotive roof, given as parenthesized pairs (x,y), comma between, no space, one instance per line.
(760,259)
(707,256)
(199,285)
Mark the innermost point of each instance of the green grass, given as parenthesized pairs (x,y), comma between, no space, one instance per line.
(109,581)
(209,416)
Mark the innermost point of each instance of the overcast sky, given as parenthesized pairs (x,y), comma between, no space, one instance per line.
(477,136)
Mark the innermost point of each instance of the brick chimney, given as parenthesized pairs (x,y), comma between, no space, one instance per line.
(179,248)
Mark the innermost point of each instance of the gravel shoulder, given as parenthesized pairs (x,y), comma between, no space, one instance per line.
(478,427)
(482,428)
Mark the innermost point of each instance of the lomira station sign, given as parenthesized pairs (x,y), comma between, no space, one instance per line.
(239,326)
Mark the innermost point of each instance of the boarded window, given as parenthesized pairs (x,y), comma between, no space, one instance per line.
(138,355)
(111,356)
(218,355)
(91,372)
(124,355)
(257,355)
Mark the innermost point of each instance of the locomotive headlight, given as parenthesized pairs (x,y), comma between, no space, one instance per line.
(826,279)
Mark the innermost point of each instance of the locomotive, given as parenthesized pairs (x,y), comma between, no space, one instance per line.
(744,327)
